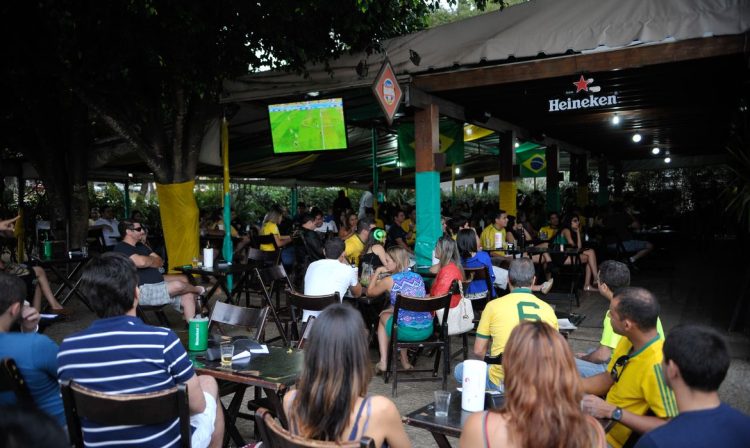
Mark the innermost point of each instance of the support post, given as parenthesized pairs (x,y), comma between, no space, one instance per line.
(579,172)
(553,179)
(603,196)
(126,201)
(293,195)
(375,179)
(507,187)
(426,126)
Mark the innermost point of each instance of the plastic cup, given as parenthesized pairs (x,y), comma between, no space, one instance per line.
(442,400)
(227,351)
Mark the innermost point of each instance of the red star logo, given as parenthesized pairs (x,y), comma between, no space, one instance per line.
(581,84)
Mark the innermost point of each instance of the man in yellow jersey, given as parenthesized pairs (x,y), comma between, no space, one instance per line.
(501,315)
(613,275)
(353,246)
(410,226)
(637,396)
(549,231)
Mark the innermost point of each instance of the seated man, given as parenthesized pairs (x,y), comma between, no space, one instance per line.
(696,361)
(35,354)
(154,289)
(501,315)
(636,396)
(396,235)
(119,354)
(354,245)
(331,275)
(613,276)
(620,222)
(110,227)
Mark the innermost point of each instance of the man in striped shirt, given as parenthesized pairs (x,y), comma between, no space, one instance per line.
(119,354)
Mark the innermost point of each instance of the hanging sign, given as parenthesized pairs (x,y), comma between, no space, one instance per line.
(582,98)
(387,90)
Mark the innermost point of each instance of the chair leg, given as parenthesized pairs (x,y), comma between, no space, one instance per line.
(465,337)
(446,363)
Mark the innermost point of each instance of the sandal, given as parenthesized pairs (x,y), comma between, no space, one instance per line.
(589,288)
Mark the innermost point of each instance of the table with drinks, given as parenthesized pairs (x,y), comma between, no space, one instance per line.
(245,363)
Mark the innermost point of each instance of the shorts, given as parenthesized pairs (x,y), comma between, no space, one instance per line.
(203,423)
(155,294)
(409,334)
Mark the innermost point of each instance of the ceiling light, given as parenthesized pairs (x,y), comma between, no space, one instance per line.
(313,94)
(636,137)
(516,145)
(655,150)
(615,119)
(667,159)
(469,131)
(458,170)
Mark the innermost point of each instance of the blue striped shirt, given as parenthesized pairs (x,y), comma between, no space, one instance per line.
(122,355)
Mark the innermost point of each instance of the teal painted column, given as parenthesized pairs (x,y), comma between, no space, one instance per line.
(427,182)
(293,205)
(428,215)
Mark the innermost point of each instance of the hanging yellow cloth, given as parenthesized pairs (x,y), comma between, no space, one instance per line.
(179,220)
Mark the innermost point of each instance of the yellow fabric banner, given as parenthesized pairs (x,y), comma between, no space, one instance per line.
(179,219)
(508,192)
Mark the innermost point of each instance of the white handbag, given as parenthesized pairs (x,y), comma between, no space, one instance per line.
(460,318)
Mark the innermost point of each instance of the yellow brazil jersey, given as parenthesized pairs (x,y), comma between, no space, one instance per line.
(640,388)
(501,316)
(406,226)
(353,249)
(611,339)
(269,228)
(487,237)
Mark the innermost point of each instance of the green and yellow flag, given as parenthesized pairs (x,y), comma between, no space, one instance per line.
(451,143)
(532,160)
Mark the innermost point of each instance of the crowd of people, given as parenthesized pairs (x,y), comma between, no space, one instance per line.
(658,389)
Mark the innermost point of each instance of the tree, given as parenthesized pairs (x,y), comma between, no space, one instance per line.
(153,71)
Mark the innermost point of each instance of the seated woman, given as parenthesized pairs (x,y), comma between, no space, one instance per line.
(32,275)
(329,406)
(471,257)
(540,376)
(373,255)
(395,277)
(571,231)
(271,227)
(446,251)
(349,226)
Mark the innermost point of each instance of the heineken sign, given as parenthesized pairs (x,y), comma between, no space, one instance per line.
(576,101)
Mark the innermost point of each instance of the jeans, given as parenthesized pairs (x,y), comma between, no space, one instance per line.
(458,373)
(587,368)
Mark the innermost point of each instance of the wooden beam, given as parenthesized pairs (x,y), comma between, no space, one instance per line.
(427,137)
(631,57)
(419,99)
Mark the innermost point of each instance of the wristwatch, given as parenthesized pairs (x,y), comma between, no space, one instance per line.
(617,414)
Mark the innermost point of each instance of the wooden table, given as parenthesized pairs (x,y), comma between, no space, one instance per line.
(240,271)
(68,281)
(274,372)
(452,424)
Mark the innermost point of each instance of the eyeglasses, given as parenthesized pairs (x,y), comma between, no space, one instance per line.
(137,229)
(620,364)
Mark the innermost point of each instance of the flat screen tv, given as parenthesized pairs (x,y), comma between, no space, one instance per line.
(308,126)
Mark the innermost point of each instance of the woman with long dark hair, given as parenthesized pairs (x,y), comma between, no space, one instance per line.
(472,257)
(571,231)
(543,393)
(330,405)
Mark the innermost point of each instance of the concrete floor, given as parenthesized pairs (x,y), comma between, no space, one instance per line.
(680,284)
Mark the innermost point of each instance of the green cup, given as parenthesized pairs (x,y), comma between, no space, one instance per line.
(198,334)
(47,250)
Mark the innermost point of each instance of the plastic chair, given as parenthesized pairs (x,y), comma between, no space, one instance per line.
(124,409)
(12,380)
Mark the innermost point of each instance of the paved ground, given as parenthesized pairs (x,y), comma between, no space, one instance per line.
(689,291)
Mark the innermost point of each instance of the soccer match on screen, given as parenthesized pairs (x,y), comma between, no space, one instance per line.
(308,125)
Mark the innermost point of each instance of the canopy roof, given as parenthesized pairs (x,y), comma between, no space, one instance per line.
(678,68)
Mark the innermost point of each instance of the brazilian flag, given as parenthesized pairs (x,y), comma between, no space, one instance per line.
(532,160)
(451,143)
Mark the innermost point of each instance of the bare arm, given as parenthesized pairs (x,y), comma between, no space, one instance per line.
(9,224)
(389,425)
(598,356)
(147,261)
(282,240)
(380,252)
(356,290)
(598,384)
(472,435)
(480,347)
(379,285)
(599,408)
(196,400)
(568,237)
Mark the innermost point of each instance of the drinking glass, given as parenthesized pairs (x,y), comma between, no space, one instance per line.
(227,351)
(442,399)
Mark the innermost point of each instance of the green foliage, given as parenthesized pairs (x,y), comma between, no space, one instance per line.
(465,9)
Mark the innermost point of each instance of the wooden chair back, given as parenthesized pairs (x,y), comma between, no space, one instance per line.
(12,380)
(300,302)
(275,436)
(306,332)
(480,273)
(125,409)
(251,319)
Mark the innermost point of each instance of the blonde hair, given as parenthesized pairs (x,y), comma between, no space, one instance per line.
(400,257)
(272,216)
(543,390)
(446,250)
